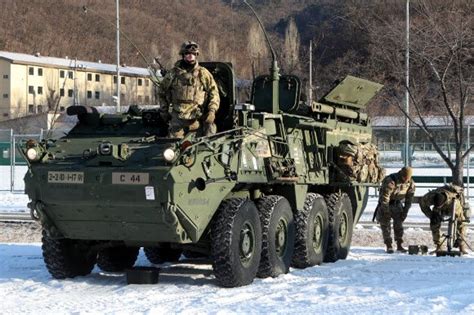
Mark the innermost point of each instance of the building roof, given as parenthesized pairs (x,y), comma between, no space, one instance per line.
(433,121)
(67,63)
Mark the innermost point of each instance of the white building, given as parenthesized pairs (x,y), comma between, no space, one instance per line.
(31,84)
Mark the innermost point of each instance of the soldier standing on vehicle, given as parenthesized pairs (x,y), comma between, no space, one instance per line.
(442,200)
(395,188)
(189,96)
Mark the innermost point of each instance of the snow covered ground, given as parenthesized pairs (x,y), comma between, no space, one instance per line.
(368,282)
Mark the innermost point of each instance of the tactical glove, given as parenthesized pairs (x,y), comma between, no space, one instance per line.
(404,215)
(211,116)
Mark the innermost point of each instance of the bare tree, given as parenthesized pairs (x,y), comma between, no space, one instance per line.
(441,67)
(256,47)
(212,49)
(291,49)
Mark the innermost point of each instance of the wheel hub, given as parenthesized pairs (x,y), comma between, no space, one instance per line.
(247,242)
(317,233)
(280,237)
(343,227)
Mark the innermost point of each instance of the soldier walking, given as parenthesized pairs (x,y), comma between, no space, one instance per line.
(442,200)
(189,97)
(395,188)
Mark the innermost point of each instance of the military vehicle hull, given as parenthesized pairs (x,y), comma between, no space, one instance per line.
(266,192)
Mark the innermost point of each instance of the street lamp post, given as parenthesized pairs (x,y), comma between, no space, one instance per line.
(118,58)
(407,83)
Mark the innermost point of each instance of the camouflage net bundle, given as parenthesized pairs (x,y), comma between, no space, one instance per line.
(359,162)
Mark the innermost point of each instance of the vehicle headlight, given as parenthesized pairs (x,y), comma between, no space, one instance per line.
(169,155)
(32,154)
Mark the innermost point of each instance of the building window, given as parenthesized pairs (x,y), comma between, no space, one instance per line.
(31,70)
(5,95)
(61,92)
(122,80)
(140,99)
(89,77)
(5,76)
(89,94)
(97,95)
(70,93)
(115,79)
(122,96)
(40,108)
(5,114)
(147,99)
(61,73)
(61,108)
(147,83)
(97,78)
(40,72)
(31,89)
(139,82)
(70,75)
(40,90)
(31,109)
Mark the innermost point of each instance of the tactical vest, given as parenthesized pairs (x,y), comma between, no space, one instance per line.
(401,188)
(187,93)
(452,193)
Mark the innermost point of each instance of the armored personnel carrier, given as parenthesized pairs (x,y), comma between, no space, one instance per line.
(281,184)
(275,187)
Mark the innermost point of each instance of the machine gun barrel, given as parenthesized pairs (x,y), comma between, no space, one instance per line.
(341,112)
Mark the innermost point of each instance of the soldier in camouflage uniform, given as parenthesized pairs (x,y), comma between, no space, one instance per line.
(442,200)
(395,188)
(189,96)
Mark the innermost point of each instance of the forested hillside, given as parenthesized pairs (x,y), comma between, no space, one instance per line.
(349,37)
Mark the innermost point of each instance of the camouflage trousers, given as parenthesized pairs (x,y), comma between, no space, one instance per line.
(395,212)
(435,226)
(180,127)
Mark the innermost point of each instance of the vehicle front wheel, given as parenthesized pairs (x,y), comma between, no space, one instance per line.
(236,241)
(67,258)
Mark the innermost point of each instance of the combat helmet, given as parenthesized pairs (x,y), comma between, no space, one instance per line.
(189,47)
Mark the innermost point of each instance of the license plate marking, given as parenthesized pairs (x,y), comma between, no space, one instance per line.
(66,177)
(130,178)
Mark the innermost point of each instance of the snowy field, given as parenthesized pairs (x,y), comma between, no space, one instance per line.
(368,282)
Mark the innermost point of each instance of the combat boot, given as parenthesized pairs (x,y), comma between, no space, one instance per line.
(400,248)
(437,249)
(389,249)
(463,249)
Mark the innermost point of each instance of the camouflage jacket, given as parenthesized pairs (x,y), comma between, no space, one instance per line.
(454,194)
(188,92)
(393,189)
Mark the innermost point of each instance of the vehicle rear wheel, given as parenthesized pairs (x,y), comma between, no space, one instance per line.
(341,223)
(278,235)
(116,259)
(161,254)
(236,241)
(67,258)
(311,232)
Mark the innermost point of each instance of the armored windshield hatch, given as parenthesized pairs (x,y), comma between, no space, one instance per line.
(354,92)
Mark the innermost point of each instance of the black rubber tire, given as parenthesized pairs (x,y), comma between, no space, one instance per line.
(67,258)
(116,259)
(161,254)
(311,239)
(339,235)
(236,242)
(275,216)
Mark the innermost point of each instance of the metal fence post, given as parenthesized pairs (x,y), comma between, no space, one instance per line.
(468,158)
(12,161)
